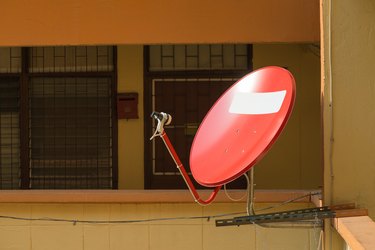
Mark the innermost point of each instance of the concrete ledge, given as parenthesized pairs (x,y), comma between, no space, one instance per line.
(141,196)
(358,232)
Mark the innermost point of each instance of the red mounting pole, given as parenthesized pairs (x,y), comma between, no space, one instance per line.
(185,175)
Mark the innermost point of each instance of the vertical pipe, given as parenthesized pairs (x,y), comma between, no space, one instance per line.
(250,200)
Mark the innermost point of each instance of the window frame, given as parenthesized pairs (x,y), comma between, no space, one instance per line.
(175,181)
(24,77)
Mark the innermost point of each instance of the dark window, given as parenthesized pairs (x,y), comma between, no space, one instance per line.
(184,81)
(9,133)
(62,101)
(70,132)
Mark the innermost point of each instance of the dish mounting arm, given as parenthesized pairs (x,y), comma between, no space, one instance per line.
(165,119)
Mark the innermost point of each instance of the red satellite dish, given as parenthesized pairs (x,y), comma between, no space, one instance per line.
(242,125)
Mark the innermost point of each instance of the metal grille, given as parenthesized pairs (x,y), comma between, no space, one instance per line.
(188,100)
(70,132)
(9,134)
(185,80)
(10,60)
(62,99)
(198,57)
(71,59)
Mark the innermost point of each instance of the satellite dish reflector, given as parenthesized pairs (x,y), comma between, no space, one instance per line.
(237,131)
(242,125)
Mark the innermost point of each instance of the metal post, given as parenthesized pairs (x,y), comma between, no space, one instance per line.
(250,199)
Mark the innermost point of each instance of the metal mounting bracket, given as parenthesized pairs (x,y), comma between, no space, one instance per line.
(344,210)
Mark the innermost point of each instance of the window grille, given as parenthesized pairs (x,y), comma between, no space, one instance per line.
(71,118)
(71,59)
(185,81)
(188,100)
(70,132)
(56,117)
(198,57)
(9,134)
(10,60)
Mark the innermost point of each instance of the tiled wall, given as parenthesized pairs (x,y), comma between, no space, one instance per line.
(170,234)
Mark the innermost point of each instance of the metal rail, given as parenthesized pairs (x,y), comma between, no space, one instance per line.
(293,215)
(343,210)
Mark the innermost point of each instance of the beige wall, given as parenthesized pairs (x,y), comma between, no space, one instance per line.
(294,162)
(353,60)
(75,22)
(349,174)
(131,132)
(178,234)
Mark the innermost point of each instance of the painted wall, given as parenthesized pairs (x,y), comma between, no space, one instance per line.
(294,162)
(131,132)
(197,234)
(353,60)
(349,174)
(74,22)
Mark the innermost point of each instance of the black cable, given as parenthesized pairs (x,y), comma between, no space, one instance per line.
(208,218)
(288,201)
